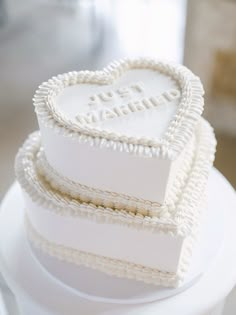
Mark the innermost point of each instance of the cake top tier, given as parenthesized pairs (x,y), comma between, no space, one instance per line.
(140,105)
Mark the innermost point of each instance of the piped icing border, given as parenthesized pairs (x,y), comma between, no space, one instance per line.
(177,135)
(178,222)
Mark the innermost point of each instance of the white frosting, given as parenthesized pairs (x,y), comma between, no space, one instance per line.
(140,103)
(123,155)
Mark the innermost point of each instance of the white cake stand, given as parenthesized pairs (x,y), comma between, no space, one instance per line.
(43,290)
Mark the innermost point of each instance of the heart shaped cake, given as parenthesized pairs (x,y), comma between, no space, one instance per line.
(125,130)
(116,178)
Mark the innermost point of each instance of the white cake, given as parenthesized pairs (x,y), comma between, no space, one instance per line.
(115,179)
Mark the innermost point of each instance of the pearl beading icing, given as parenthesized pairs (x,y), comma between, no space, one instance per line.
(178,222)
(178,133)
(112,199)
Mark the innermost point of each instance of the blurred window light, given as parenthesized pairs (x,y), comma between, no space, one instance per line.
(154,27)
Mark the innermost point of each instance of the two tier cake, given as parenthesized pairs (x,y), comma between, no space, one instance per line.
(115,179)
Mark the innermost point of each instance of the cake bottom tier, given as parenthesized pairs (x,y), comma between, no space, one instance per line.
(154,249)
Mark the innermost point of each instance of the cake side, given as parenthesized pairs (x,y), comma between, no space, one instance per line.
(125,124)
(120,201)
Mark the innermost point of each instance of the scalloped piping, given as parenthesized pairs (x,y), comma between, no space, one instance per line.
(178,133)
(112,199)
(179,222)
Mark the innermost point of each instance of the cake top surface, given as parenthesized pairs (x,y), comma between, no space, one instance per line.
(137,105)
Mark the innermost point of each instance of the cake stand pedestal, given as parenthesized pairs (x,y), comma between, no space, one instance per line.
(37,291)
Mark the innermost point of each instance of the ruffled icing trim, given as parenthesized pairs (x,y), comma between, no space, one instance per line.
(185,209)
(177,135)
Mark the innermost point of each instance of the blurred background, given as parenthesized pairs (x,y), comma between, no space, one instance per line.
(39,39)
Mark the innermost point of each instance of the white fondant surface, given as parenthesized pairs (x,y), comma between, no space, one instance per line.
(22,271)
(74,100)
(102,168)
